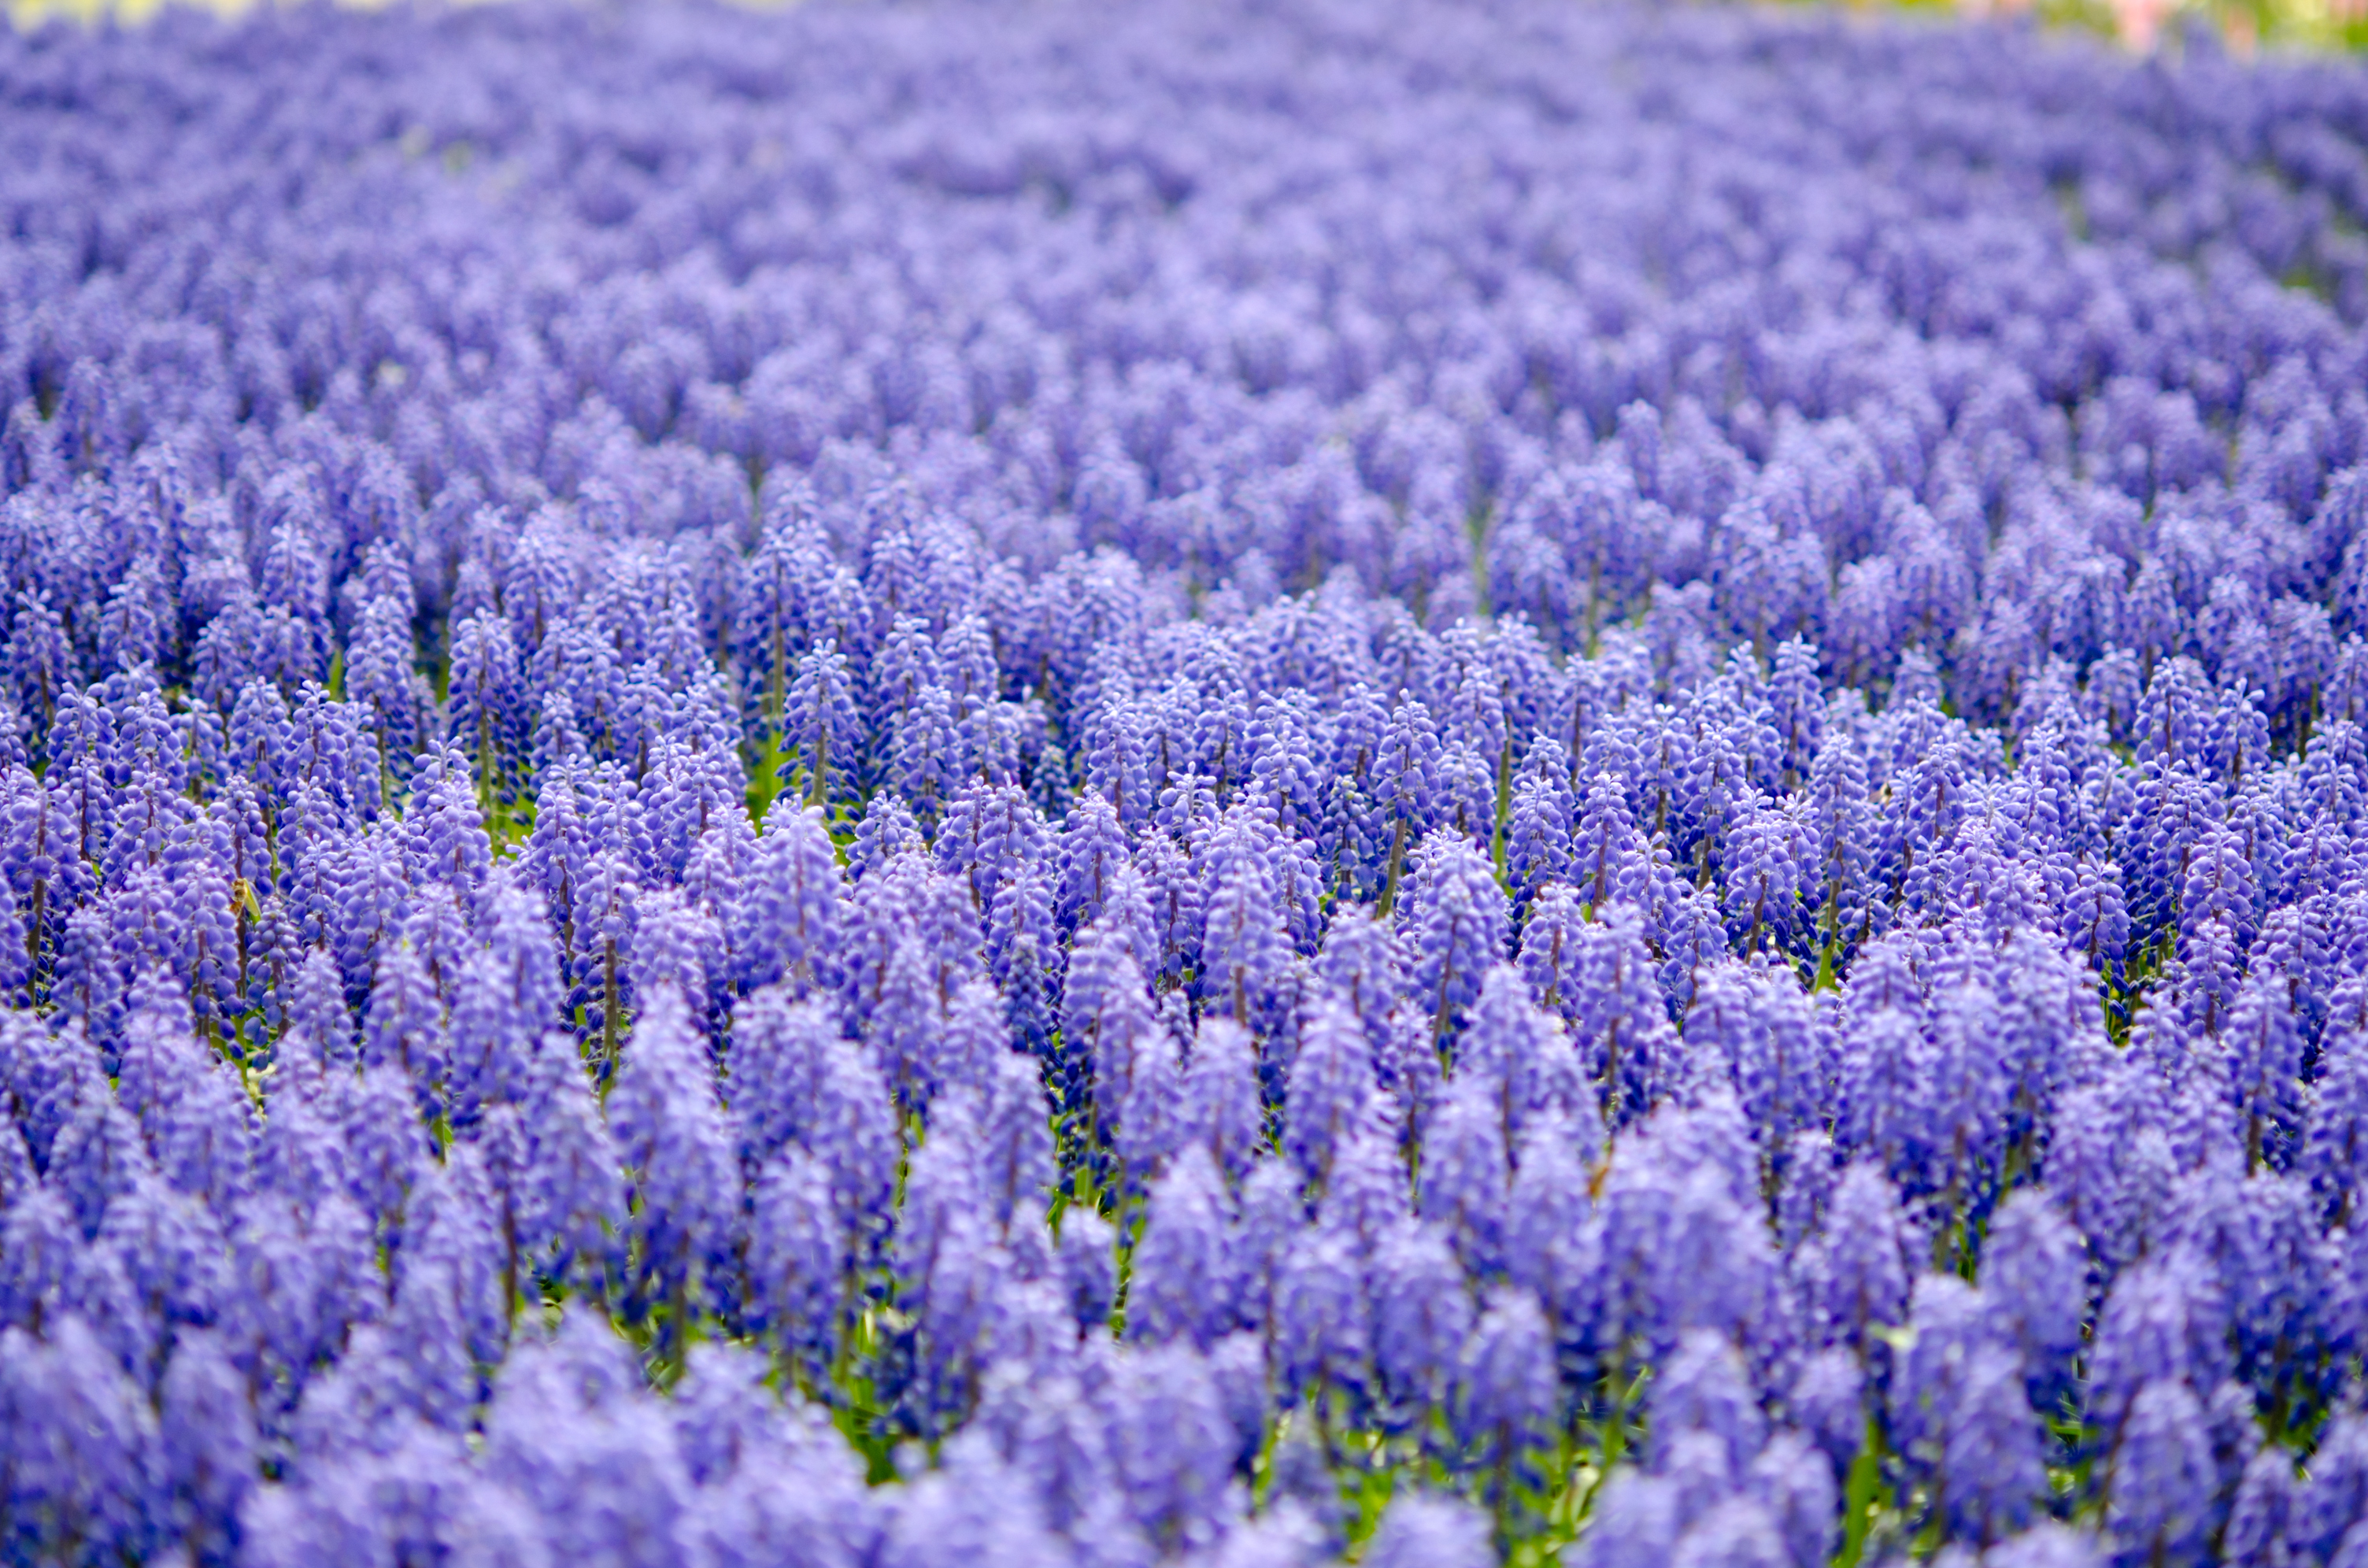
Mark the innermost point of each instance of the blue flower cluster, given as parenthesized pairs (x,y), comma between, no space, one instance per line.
(1216,784)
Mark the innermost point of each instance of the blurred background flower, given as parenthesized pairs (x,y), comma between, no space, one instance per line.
(2244,27)
(2144,25)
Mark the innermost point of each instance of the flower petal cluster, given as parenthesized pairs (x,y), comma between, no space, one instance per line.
(1219,784)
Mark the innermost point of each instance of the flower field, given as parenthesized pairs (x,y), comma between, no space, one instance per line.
(1221,784)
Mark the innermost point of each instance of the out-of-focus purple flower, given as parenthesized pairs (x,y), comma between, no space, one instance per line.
(1433,1532)
(1182,1280)
(1867,1260)
(84,1470)
(671,1135)
(2158,1498)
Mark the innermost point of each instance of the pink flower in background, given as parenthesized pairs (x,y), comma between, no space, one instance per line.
(2139,23)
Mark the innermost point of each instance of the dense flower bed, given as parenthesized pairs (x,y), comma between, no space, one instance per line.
(940,785)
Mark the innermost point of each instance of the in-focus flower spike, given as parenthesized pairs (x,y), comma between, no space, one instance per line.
(1467,795)
(822,729)
(508,994)
(1331,1087)
(1109,1024)
(1620,1024)
(2264,1048)
(1093,850)
(886,832)
(1286,780)
(2219,890)
(382,662)
(1245,955)
(672,1136)
(1550,950)
(2337,1137)
(1609,859)
(1797,700)
(1364,964)
(910,903)
(692,800)
(2096,920)
(1406,782)
(1771,861)
(926,765)
(1024,951)
(488,703)
(262,742)
(991,832)
(447,840)
(42,859)
(1112,752)
(1177,902)
(1688,928)
(1455,921)
(1538,835)
(904,667)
